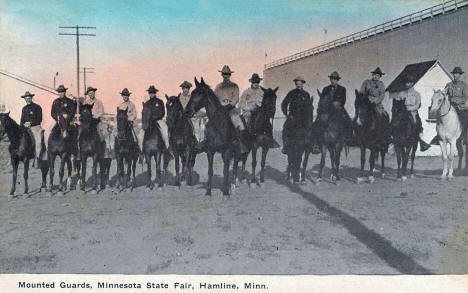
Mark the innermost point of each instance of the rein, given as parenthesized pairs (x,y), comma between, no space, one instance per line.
(450,108)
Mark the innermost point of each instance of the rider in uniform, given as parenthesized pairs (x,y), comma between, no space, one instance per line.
(297,107)
(131,115)
(334,95)
(374,89)
(251,98)
(63,104)
(199,119)
(31,118)
(413,103)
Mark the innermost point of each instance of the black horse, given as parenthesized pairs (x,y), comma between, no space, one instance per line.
(220,133)
(371,133)
(153,146)
(331,138)
(91,146)
(181,139)
(261,128)
(21,150)
(61,143)
(405,137)
(126,148)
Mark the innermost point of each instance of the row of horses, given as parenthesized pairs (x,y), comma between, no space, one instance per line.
(371,133)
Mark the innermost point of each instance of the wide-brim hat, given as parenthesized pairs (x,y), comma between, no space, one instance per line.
(457,70)
(335,75)
(255,78)
(27,94)
(61,89)
(226,70)
(299,78)
(125,92)
(378,71)
(152,89)
(186,84)
(90,89)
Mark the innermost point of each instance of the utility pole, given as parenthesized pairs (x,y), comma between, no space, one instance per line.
(55,77)
(77,34)
(85,71)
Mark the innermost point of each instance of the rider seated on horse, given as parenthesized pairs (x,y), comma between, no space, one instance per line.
(199,119)
(131,115)
(62,105)
(158,104)
(31,118)
(412,100)
(298,109)
(251,100)
(97,112)
(332,100)
(374,90)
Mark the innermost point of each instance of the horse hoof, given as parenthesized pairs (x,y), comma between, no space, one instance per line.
(60,193)
(360,180)
(449,177)
(412,176)
(403,178)
(261,185)
(383,175)
(234,186)
(93,191)
(371,179)
(337,182)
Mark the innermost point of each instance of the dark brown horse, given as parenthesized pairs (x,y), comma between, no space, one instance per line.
(220,133)
(21,149)
(126,149)
(371,133)
(181,139)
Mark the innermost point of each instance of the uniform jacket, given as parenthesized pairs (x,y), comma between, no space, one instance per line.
(457,92)
(98,108)
(299,103)
(159,105)
(131,110)
(63,104)
(412,99)
(31,113)
(375,90)
(227,93)
(331,94)
(251,99)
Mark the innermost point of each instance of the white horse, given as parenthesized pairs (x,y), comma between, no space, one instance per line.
(448,129)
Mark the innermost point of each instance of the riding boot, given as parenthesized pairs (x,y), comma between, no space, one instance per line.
(423,146)
(201,146)
(244,141)
(435,140)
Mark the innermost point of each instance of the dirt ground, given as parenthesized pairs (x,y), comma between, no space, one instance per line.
(419,226)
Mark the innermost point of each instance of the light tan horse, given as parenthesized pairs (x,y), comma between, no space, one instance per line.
(448,129)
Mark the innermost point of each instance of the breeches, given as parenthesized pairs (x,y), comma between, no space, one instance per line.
(37,134)
(199,124)
(236,119)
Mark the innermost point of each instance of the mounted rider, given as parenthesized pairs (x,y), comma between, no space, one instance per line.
(31,118)
(412,100)
(374,90)
(457,92)
(298,108)
(199,119)
(131,115)
(65,105)
(251,99)
(157,103)
(228,95)
(334,97)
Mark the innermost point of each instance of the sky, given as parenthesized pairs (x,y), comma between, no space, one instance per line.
(162,43)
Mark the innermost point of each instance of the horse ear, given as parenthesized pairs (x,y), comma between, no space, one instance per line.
(276,89)
(167,97)
(196,81)
(8,114)
(263,89)
(202,81)
(178,96)
(319,93)
(356,92)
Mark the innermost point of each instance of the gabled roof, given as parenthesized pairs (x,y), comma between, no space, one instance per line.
(417,70)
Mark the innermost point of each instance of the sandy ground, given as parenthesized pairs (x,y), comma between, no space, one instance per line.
(415,227)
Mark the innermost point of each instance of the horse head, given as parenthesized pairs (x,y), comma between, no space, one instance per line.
(4,118)
(147,115)
(362,107)
(122,122)
(269,101)
(86,113)
(439,102)
(64,123)
(198,97)
(174,110)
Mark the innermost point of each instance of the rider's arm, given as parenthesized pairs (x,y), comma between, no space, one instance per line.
(235,95)
(284,104)
(132,114)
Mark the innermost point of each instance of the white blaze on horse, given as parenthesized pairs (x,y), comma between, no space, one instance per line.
(448,129)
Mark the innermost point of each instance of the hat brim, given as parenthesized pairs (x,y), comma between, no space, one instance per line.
(62,90)
(255,80)
(31,95)
(126,94)
(460,72)
(91,90)
(379,73)
(334,77)
(225,72)
(295,80)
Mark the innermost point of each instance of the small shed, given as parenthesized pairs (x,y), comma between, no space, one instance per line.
(430,76)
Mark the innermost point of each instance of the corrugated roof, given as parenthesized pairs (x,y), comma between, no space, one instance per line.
(417,70)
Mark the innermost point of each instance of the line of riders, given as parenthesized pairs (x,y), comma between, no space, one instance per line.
(297,106)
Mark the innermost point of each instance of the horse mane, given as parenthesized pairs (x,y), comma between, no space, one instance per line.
(209,92)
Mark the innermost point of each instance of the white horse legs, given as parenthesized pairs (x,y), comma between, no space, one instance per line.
(447,158)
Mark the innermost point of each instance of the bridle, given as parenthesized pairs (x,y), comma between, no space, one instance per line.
(450,106)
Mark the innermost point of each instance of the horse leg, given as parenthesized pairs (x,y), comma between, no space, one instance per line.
(94,178)
(360,179)
(63,160)
(69,173)
(262,171)
(304,165)
(331,149)
(119,171)
(226,160)
(244,162)
(288,168)
(149,184)
(443,148)
(14,163)
(177,166)
(382,158)
(413,155)
(406,157)
(44,171)
(451,155)
(372,164)
(83,173)
(338,150)
(254,165)
(210,155)
(158,171)
(25,175)
(398,152)
(235,169)
(322,162)
(51,171)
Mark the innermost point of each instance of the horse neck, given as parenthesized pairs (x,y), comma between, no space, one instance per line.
(13,130)
(213,104)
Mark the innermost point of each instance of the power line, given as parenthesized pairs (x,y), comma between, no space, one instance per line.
(77,34)
(34,84)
